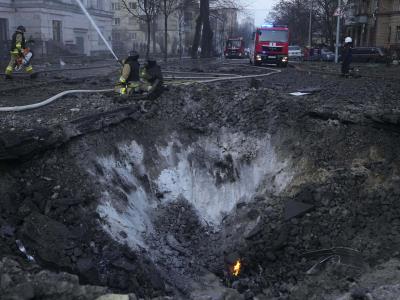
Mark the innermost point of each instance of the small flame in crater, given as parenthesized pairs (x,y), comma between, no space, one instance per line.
(236,268)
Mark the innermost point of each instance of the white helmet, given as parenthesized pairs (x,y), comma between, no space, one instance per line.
(348,40)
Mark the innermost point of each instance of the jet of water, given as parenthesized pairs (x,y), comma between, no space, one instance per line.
(97,28)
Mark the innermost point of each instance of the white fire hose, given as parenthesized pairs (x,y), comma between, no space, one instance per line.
(50,100)
(62,94)
(236,78)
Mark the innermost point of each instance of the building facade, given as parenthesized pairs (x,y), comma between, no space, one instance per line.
(374,23)
(224,23)
(58,25)
(130,31)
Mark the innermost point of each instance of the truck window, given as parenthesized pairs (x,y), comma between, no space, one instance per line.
(273,36)
(234,43)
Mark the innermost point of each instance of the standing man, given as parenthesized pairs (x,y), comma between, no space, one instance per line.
(129,80)
(18,46)
(347,56)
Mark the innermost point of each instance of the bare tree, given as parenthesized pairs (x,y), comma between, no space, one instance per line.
(203,29)
(295,14)
(226,13)
(245,30)
(197,34)
(168,7)
(325,14)
(180,12)
(145,10)
(207,33)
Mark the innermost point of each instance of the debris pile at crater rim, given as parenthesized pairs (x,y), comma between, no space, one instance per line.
(343,163)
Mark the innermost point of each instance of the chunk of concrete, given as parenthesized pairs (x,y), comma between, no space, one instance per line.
(295,209)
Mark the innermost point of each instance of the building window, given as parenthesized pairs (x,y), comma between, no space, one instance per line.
(132,5)
(80,44)
(99,39)
(132,21)
(396,5)
(398,33)
(132,35)
(57,25)
(116,36)
(116,6)
(3,29)
(100,4)
(117,21)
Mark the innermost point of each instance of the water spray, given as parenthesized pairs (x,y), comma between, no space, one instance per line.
(97,29)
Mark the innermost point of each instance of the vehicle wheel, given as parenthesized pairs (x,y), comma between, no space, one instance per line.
(257,63)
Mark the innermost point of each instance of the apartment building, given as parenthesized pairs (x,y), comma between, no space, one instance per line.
(130,31)
(224,23)
(374,23)
(57,25)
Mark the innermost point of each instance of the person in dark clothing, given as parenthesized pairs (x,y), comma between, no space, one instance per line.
(18,52)
(129,82)
(151,78)
(347,56)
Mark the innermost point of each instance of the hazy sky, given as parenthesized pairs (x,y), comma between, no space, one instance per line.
(259,9)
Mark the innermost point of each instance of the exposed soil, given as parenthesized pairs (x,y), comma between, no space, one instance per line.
(161,198)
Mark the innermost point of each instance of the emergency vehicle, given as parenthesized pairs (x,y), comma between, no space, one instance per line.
(234,48)
(271,45)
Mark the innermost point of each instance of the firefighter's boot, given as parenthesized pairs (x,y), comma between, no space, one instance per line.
(29,70)
(8,72)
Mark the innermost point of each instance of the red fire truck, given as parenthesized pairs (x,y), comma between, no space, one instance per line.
(271,45)
(234,48)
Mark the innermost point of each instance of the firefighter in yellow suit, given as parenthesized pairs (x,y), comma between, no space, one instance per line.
(151,78)
(129,81)
(18,44)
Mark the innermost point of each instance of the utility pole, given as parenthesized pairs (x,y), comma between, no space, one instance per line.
(339,12)
(310,25)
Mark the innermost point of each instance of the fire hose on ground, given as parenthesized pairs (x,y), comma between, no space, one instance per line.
(50,100)
(189,82)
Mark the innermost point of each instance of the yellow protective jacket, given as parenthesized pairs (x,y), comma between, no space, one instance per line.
(18,42)
(130,71)
(126,70)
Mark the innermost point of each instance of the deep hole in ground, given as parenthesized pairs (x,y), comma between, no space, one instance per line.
(165,202)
